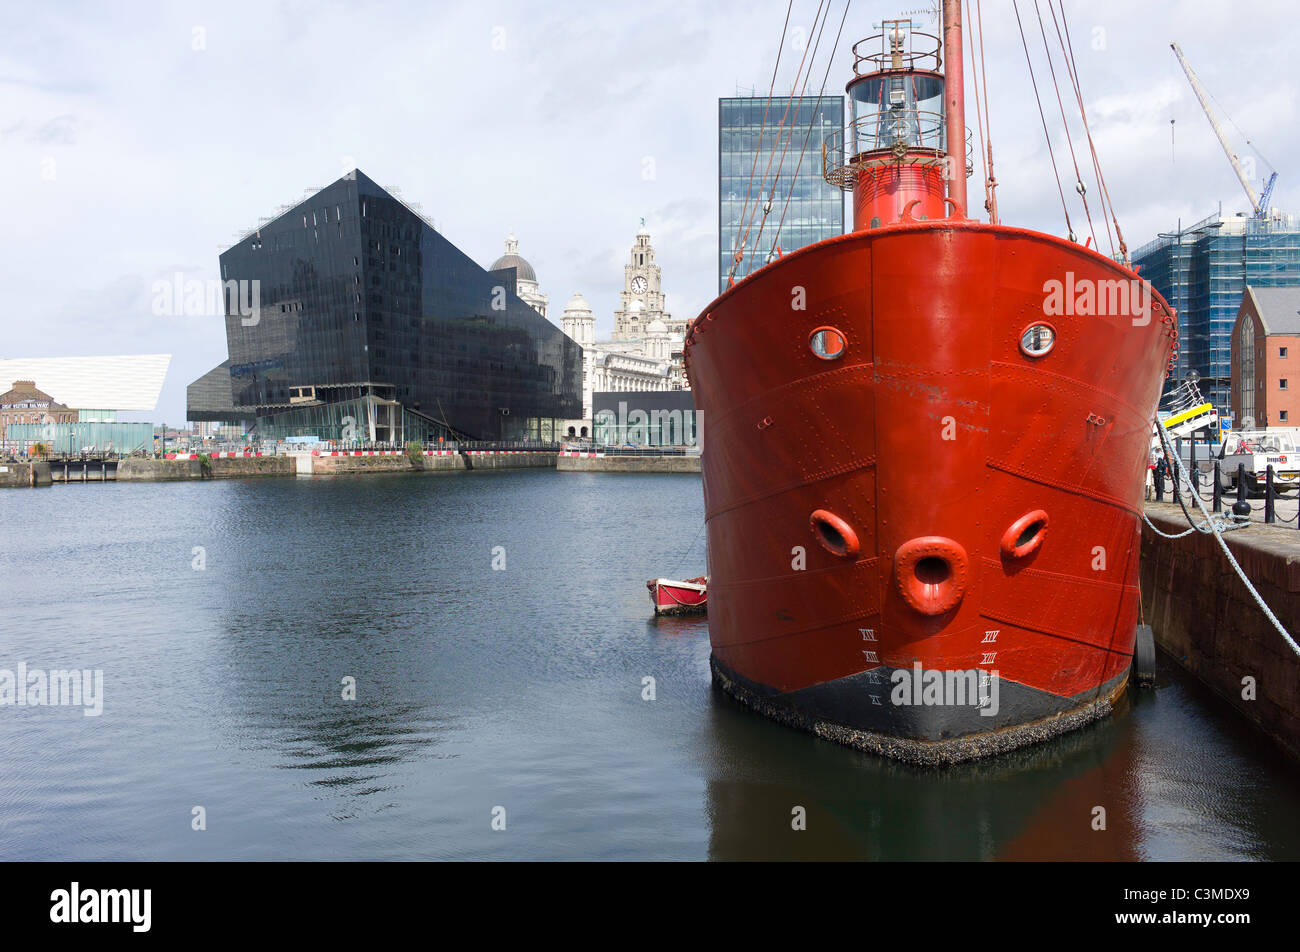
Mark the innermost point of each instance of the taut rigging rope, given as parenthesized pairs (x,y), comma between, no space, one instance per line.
(1078,93)
(807,135)
(1043,117)
(737,252)
(767,205)
(1069,140)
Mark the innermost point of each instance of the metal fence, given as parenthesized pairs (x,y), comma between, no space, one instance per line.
(281,448)
(647,451)
(16,450)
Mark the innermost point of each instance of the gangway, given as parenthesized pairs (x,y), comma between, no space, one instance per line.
(1189,413)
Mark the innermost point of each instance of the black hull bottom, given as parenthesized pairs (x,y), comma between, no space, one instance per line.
(919,734)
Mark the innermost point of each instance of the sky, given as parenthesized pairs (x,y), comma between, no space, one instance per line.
(139,139)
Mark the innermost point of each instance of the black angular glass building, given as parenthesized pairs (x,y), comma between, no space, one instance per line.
(349,317)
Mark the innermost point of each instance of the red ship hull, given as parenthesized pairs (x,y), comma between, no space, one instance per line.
(932,498)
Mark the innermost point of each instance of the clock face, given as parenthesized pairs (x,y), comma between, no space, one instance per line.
(639,285)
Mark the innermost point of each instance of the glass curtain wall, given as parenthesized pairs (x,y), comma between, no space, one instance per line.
(814,210)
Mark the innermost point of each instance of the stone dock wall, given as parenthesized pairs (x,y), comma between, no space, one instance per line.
(1206,620)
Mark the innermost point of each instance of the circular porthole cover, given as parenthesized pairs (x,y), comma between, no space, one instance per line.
(1037,340)
(828,343)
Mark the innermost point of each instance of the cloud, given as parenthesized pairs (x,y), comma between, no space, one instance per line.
(165,153)
(61,130)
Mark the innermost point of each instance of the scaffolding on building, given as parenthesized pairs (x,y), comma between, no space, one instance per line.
(1202,271)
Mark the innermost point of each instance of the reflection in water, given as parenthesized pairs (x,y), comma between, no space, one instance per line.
(522,688)
(370,709)
(678,626)
(1093,816)
(860,806)
(1159,767)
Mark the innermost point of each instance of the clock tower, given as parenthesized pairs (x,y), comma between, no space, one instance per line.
(642,299)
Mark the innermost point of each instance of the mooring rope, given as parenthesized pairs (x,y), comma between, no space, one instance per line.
(1218,527)
(689,549)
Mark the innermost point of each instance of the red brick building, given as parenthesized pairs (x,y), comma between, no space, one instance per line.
(25,404)
(1266,359)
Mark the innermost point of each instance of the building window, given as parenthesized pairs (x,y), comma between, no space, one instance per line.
(1281,414)
(1282,383)
(1281,351)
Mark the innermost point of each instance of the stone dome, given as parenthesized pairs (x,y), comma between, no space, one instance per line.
(512,259)
(657,327)
(523,269)
(577,304)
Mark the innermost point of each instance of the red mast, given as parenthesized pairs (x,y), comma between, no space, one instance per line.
(955,111)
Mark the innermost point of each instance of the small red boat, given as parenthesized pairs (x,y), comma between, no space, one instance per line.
(671,597)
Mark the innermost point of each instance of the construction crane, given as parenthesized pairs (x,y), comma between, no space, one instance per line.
(1258,204)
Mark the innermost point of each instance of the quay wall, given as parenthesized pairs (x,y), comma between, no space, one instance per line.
(240,468)
(308,465)
(24,475)
(168,470)
(158,470)
(1206,620)
(628,464)
(429,463)
(521,459)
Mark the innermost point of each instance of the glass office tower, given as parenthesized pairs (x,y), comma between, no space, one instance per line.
(1202,271)
(816,208)
(371,325)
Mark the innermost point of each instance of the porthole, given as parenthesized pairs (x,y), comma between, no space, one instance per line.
(1037,340)
(828,343)
(1024,536)
(835,535)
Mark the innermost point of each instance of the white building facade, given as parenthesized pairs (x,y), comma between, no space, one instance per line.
(526,286)
(645,351)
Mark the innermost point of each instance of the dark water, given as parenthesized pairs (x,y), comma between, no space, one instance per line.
(519,688)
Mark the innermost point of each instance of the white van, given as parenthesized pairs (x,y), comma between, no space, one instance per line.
(1257,450)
